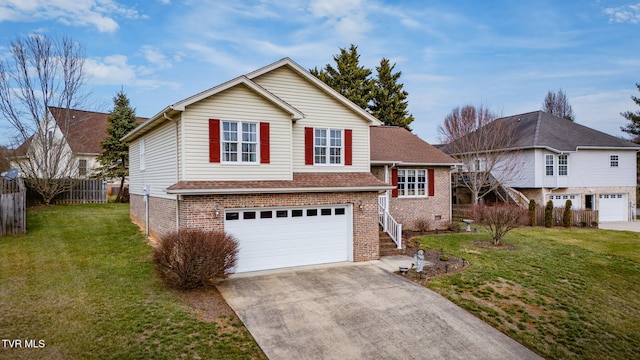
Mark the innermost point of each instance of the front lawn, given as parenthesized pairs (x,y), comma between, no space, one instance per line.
(80,284)
(562,293)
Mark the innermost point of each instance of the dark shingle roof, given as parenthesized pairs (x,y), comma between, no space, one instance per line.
(394,144)
(540,129)
(84,131)
(302,182)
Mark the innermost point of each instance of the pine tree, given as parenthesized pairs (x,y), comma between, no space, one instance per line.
(349,78)
(634,127)
(389,103)
(113,160)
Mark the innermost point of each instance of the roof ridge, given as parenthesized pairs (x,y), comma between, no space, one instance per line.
(536,134)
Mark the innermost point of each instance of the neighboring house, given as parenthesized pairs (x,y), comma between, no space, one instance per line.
(420,174)
(275,157)
(563,160)
(80,134)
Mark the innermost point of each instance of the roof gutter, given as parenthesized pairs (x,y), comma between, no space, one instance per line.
(239,191)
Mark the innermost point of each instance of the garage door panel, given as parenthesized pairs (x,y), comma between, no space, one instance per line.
(276,242)
(613,207)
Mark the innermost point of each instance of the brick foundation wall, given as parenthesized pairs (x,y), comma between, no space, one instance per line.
(162,214)
(409,210)
(198,212)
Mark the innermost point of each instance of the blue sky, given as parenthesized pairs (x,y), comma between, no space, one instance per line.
(503,54)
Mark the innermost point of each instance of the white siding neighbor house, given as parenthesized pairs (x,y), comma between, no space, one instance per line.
(563,160)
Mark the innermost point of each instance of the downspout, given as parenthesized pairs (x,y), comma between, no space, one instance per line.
(164,114)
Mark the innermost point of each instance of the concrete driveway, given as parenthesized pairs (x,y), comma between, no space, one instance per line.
(620,225)
(359,311)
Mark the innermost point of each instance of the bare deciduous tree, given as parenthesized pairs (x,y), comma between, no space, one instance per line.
(557,104)
(484,145)
(499,219)
(39,74)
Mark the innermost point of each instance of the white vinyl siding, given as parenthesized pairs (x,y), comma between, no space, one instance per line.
(321,110)
(238,104)
(160,161)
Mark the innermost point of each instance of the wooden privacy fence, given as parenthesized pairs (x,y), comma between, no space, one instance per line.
(13,205)
(87,191)
(587,218)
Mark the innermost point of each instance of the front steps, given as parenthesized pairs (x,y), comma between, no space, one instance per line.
(387,246)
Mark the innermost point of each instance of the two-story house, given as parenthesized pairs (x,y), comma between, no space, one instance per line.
(562,160)
(275,157)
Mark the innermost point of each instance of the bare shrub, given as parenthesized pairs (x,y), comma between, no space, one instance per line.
(192,258)
(422,225)
(498,220)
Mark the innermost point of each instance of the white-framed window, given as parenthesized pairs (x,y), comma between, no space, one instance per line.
(563,165)
(412,183)
(614,160)
(82,167)
(239,142)
(327,146)
(548,163)
(142,155)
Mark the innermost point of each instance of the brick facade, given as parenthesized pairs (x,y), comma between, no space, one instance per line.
(199,212)
(435,210)
(162,214)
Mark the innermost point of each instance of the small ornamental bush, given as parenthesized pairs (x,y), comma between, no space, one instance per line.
(548,214)
(532,213)
(192,258)
(499,219)
(422,225)
(566,215)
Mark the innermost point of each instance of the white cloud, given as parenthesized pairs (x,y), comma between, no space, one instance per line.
(624,14)
(116,70)
(155,56)
(100,14)
(601,110)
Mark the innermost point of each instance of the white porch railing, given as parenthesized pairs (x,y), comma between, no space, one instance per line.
(388,223)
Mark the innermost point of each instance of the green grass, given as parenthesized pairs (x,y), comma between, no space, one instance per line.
(562,293)
(81,280)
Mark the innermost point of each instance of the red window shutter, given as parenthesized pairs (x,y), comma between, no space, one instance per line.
(394,182)
(348,147)
(432,183)
(308,146)
(265,146)
(214,140)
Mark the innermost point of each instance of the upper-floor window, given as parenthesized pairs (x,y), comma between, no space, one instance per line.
(614,160)
(327,146)
(82,167)
(412,183)
(563,164)
(548,162)
(239,142)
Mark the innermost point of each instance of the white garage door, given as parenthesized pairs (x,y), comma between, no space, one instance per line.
(284,237)
(613,207)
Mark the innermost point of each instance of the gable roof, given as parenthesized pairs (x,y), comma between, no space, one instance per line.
(393,144)
(83,131)
(539,129)
(317,82)
(247,80)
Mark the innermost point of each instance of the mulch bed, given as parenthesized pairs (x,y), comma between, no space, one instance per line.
(436,263)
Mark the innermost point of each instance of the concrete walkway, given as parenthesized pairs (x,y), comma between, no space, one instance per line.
(359,311)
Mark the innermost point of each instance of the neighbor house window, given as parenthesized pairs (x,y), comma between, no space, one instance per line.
(563,165)
(614,160)
(412,183)
(239,142)
(82,167)
(327,146)
(548,161)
